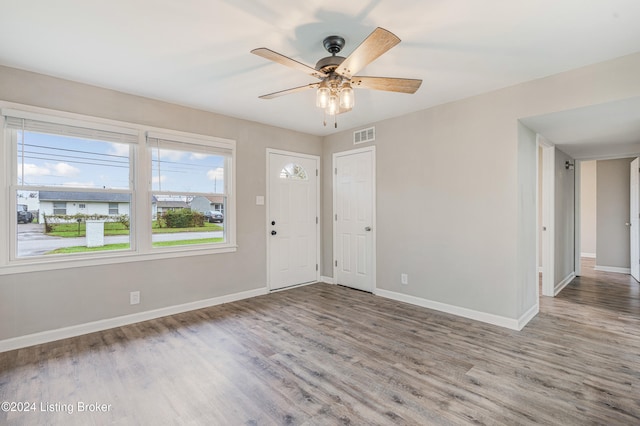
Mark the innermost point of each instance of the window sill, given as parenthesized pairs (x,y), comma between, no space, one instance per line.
(42,264)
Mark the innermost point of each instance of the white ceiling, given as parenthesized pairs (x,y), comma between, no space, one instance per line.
(610,130)
(196,52)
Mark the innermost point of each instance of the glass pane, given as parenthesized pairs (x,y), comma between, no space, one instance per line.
(185,171)
(187,220)
(53,160)
(64,222)
(293,171)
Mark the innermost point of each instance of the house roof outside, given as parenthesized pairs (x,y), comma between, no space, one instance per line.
(217,199)
(81,196)
(173,204)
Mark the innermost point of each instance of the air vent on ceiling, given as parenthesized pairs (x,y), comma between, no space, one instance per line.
(364,135)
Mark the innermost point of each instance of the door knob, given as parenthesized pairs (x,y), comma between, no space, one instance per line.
(273,232)
(368,228)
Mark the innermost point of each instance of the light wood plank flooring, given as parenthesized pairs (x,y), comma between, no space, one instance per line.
(326,355)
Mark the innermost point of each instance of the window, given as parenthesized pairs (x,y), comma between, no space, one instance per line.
(59,207)
(67,170)
(185,171)
(68,165)
(293,171)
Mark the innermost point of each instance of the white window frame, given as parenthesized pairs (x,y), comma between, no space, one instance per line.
(183,140)
(141,235)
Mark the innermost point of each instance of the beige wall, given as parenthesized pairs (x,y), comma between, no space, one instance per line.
(612,212)
(588,199)
(456,201)
(35,302)
(455,183)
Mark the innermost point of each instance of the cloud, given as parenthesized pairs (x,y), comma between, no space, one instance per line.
(119,149)
(33,170)
(157,179)
(89,184)
(64,169)
(57,169)
(216,174)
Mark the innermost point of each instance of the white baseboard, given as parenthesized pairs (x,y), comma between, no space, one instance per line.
(589,255)
(328,280)
(562,284)
(613,269)
(528,316)
(91,327)
(511,323)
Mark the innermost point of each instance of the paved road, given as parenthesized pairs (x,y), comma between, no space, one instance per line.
(33,242)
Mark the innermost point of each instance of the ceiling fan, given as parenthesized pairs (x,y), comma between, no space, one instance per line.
(334,91)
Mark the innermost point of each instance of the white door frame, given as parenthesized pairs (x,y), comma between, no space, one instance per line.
(577,219)
(371,149)
(266,214)
(634,221)
(548,216)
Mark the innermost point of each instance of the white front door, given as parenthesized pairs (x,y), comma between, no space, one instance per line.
(292,228)
(354,217)
(634,218)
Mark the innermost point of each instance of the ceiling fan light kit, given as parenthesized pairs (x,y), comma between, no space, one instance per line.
(334,93)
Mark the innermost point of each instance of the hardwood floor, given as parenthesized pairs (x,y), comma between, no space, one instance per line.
(325,355)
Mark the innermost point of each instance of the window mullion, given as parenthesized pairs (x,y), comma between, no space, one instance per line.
(142,197)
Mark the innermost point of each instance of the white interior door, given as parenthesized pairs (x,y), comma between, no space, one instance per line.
(634,218)
(292,219)
(354,216)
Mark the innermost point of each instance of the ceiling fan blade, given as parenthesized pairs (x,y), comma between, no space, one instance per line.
(402,85)
(286,61)
(377,43)
(289,91)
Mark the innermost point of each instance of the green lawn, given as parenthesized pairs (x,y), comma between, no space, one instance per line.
(125,246)
(187,242)
(83,249)
(70,230)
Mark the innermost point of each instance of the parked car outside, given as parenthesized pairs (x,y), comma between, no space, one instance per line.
(24,215)
(214,216)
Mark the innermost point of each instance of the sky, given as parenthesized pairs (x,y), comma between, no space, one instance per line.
(62,161)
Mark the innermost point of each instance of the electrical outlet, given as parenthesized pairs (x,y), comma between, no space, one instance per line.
(404,279)
(134,297)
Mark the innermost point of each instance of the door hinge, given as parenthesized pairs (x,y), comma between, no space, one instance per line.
(316,220)
(336,263)
(336,171)
(316,172)
(336,216)
(316,266)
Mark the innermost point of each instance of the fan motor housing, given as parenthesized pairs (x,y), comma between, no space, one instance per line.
(329,64)
(333,44)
